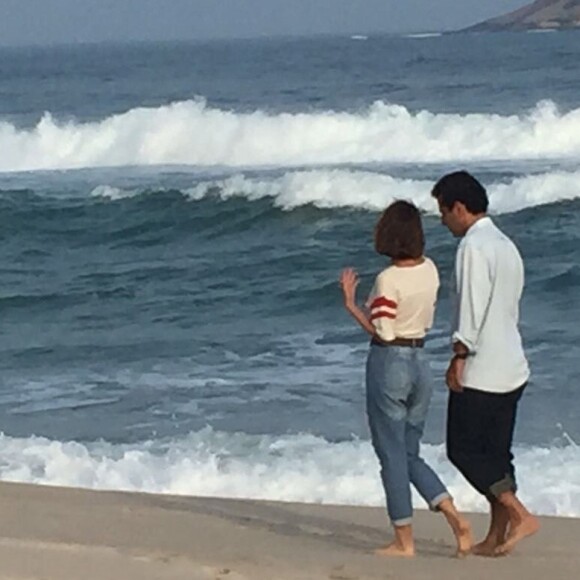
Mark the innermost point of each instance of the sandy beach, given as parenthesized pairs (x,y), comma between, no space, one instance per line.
(66,534)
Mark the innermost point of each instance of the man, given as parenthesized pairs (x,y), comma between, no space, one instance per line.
(489,371)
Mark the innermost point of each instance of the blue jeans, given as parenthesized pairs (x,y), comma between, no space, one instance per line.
(399,387)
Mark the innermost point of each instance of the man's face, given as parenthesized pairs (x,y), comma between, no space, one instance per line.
(453,218)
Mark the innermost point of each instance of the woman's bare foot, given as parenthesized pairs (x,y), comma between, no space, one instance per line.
(459,525)
(524,529)
(464,537)
(403,546)
(394,550)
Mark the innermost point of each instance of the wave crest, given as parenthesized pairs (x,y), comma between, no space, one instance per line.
(374,191)
(192,133)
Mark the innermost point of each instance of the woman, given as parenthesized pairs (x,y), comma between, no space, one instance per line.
(398,381)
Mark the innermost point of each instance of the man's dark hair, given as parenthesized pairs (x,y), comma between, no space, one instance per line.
(461,187)
(399,232)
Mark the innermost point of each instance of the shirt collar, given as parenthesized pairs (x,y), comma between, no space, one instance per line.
(480,223)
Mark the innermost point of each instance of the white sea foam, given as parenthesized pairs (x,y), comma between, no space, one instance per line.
(322,188)
(112,193)
(192,133)
(290,468)
(369,190)
(420,35)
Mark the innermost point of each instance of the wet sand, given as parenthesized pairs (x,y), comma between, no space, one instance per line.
(53,533)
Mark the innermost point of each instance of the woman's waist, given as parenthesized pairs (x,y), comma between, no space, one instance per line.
(404,341)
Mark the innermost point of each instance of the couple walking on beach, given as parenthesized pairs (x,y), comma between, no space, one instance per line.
(486,376)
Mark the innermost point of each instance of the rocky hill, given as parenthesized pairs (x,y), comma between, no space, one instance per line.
(539,15)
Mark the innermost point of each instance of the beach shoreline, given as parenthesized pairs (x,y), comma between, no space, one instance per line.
(69,533)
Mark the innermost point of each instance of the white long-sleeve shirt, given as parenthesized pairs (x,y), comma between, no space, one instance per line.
(489,277)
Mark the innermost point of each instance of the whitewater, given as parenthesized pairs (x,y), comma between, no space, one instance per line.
(301,468)
(193,133)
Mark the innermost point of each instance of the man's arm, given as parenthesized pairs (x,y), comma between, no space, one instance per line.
(460,350)
(474,292)
(474,286)
(454,375)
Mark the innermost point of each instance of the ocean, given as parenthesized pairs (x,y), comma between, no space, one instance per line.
(173,221)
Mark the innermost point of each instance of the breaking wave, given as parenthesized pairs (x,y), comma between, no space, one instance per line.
(193,133)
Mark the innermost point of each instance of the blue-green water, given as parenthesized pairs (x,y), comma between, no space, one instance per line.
(173,219)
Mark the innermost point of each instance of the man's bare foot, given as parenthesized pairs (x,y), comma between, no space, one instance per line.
(464,537)
(487,548)
(394,550)
(526,528)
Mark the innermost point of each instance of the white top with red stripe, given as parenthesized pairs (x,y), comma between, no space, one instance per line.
(402,301)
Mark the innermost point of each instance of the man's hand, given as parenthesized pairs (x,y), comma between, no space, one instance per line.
(454,376)
(349,282)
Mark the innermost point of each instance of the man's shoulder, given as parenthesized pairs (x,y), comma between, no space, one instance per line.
(498,241)
(490,245)
(485,236)
(472,243)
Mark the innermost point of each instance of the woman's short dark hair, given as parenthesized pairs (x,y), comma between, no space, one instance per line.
(399,232)
(461,187)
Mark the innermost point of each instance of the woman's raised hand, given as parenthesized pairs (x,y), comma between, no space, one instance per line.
(348,282)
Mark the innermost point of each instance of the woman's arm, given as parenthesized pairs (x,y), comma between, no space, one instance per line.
(349,282)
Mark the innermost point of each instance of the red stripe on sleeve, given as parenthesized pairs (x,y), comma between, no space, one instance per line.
(382,301)
(382,314)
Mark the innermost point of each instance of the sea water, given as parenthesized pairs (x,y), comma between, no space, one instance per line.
(173,221)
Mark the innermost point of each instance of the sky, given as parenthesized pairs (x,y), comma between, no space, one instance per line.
(25,22)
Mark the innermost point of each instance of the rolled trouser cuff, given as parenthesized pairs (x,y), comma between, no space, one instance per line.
(503,485)
(434,503)
(402,522)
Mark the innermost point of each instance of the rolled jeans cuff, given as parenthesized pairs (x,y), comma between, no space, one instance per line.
(402,522)
(502,486)
(434,503)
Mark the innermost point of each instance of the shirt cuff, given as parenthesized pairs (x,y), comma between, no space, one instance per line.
(469,344)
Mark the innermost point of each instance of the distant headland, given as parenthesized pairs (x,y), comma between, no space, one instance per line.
(539,15)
